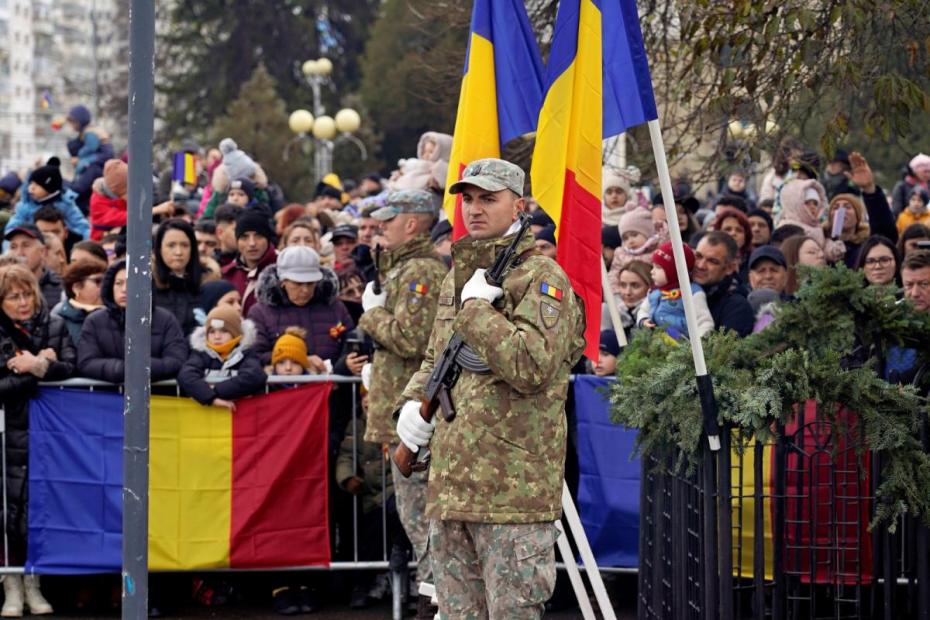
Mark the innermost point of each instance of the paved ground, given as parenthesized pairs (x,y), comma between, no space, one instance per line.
(622,590)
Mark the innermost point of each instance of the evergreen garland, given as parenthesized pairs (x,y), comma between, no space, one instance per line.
(823,347)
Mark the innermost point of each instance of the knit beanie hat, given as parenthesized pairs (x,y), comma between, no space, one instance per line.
(245,185)
(546,234)
(10,183)
(638,220)
(616,179)
(665,258)
(48,177)
(116,177)
(224,317)
(254,221)
(291,346)
(238,164)
(919,162)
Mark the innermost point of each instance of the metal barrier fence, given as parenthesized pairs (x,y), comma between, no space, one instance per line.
(400,565)
(778,531)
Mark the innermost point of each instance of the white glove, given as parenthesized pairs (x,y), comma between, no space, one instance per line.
(411,428)
(478,288)
(371,300)
(366,375)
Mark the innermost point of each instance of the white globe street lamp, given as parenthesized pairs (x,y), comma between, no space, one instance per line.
(324,128)
(300,121)
(348,120)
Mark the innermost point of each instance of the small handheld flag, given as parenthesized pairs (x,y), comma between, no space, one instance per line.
(184,170)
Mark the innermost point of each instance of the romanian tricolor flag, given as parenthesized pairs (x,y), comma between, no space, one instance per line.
(597,85)
(501,91)
(184,170)
(240,490)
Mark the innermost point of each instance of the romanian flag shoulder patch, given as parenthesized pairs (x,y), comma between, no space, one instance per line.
(550,291)
(419,287)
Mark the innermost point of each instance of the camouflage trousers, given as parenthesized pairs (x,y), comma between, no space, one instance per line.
(410,495)
(492,570)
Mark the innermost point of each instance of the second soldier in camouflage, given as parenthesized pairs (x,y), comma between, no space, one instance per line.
(399,320)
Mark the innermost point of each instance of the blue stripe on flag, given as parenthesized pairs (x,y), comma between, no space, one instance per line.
(608,486)
(628,96)
(75,482)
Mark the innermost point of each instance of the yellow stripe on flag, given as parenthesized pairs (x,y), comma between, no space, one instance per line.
(190,482)
(476,131)
(571,123)
(744,486)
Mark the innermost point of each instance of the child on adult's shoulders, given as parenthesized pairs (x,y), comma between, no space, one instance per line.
(664,305)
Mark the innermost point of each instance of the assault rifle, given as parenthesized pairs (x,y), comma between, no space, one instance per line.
(447,368)
(376,283)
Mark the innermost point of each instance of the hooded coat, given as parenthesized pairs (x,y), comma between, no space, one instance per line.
(241,370)
(793,211)
(320,318)
(66,202)
(107,211)
(100,352)
(47,331)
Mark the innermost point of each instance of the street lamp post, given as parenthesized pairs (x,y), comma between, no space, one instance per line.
(326,131)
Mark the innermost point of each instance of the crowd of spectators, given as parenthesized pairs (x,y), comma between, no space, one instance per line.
(246,285)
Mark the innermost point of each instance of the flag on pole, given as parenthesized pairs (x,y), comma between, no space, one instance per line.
(596,86)
(501,91)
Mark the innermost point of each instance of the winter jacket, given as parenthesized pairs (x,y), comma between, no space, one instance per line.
(246,280)
(74,219)
(175,297)
(73,316)
(623,257)
(50,283)
(45,331)
(321,317)
(106,211)
(367,466)
(100,352)
(241,370)
(219,186)
(794,212)
(729,307)
(666,309)
(907,218)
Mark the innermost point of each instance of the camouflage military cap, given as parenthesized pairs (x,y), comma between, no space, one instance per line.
(405,201)
(492,175)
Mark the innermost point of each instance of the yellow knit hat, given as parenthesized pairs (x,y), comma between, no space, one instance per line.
(291,346)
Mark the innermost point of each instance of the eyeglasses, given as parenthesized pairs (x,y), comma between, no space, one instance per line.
(18,297)
(98,280)
(882,261)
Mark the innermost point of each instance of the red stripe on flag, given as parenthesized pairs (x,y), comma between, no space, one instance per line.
(279,479)
(579,253)
(458,224)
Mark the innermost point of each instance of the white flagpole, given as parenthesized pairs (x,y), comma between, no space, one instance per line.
(574,575)
(705,387)
(612,306)
(587,556)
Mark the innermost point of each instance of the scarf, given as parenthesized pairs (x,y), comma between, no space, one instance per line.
(223,350)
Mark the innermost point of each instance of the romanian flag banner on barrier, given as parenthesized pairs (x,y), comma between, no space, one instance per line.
(227,490)
(608,480)
(501,91)
(597,85)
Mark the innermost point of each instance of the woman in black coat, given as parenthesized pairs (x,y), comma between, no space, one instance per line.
(100,353)
(34,346)
(177,272)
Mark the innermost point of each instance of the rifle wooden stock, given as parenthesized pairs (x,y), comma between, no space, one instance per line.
(406,459)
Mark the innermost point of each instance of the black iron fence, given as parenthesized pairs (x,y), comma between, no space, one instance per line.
(778,530)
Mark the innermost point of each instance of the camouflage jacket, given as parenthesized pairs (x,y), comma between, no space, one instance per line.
(502,459)
(412,275)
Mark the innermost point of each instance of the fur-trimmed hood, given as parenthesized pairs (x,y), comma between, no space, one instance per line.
(198,337)
(270,292)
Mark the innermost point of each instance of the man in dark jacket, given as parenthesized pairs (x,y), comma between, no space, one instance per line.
(715,266)
(101,350)
(254,237)
(28,244)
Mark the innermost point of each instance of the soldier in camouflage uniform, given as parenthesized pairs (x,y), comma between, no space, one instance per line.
(400,320)
(496,474)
